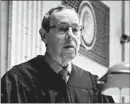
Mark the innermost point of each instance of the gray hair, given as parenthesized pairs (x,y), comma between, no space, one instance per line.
(46,20)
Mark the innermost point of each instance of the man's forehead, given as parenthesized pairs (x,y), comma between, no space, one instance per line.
(64,15)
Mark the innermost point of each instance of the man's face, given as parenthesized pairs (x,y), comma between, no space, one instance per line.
(63,46)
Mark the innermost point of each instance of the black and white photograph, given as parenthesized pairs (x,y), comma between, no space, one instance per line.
(65,51)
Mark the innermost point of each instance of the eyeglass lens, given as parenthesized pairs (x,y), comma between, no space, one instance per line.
(63,28)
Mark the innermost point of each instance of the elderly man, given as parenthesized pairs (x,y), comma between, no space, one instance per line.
(53,78)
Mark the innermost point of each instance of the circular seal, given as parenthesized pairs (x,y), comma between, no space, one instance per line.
(88,20)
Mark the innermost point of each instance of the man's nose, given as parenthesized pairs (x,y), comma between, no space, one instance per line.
(70,34)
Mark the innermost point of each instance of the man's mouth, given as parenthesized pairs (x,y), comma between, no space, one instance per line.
(69,46)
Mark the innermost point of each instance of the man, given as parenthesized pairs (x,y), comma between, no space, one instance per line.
(42,79)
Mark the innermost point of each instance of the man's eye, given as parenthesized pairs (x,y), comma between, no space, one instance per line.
(63,29)
(75,30)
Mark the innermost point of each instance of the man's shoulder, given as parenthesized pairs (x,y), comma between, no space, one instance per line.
(24,66)
(24,73)
(25,69)
(31,63)
(82,78)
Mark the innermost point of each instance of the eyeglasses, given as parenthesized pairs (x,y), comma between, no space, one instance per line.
(64,27)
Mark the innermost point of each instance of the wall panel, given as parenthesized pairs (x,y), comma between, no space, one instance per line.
(4,8)
(25,39)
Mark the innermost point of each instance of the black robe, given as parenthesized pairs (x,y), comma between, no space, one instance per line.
(34,81)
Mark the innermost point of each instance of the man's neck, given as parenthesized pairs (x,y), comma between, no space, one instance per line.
(60,61)
(55,65)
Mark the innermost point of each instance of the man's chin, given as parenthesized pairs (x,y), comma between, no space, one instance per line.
(69,56)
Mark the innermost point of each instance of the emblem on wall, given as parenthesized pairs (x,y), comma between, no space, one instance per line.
(88,20)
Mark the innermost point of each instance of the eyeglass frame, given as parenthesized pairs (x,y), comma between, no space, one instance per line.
(69,25)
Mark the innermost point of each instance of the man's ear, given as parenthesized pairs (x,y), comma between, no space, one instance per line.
(43,34)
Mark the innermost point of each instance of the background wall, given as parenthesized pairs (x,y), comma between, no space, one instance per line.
(3,37)
(116,30)
(20,39)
